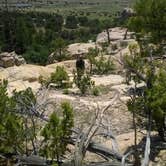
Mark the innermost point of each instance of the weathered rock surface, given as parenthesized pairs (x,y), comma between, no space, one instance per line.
(24,76)
(80,48)
(117,33)
(11,59)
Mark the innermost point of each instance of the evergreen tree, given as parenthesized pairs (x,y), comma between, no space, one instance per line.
(7,32)
(21,34)
(59,47)
(150,20)
(71,22)
(60,77)
(56,131)
(11,125)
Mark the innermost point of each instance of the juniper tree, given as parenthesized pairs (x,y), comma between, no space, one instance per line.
(56,132)
(149,25)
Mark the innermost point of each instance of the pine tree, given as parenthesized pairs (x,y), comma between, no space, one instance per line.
(21,33)
(11,124)
(56,132)
(149,24)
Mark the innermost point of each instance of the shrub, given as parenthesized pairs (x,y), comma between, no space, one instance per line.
(56,131)
(96,91)
(84,83)
(66,91)
(103,65)
(11,124)
(92,53)
(37,54)
(60,77)
(14,116)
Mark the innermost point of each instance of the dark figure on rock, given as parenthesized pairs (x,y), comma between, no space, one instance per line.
(80,66)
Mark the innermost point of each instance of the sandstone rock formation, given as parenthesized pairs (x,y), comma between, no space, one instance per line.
(11,59)
(24,76)
(117,33)
(80,48)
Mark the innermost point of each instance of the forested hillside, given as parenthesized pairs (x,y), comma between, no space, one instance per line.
(93,8)
(83,83)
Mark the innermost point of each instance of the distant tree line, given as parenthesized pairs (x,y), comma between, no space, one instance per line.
(35,35)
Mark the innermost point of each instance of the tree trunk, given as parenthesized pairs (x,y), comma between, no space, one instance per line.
(125,36)
(108,36)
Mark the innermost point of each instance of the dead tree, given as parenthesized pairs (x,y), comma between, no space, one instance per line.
(84,140)
(108,35)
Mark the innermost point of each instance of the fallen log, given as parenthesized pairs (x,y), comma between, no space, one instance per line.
(104,151)
(31,160)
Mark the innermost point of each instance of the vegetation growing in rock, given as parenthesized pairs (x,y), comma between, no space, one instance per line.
(100,64)
(17,129)
(43,33)
(22,134)
(20,126)
(60,77)
(85,84)
(56,131)
(143,64)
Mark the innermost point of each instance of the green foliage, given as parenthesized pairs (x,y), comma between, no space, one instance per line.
(152,102)
(107,23)
(24,100)
(135,61)
(18,127)
(95,26)
(36,35)
(55,23)
(150,19)
(103,65)
(37,54)
(66,91)
(84,83)
(98,63)
(56,131)
(67,121)
(60,77)
(92,53)
(71,22)
(11,124)
(83,20)
(96,91)
(14,133)
(58,46)
(156,101)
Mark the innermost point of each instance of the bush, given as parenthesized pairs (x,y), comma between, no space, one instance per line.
(103,65)
(37,54)
(96,91)
(56,131)
(14,116)
(71,22)
(66,91)
(92,53)
(60,77)
(84,83)
(11,124)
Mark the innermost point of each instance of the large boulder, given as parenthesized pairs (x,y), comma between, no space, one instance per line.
(116,34)
(6,62)
(11,59)
(24,76)
(25,72)
(80,48)
(19,60)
